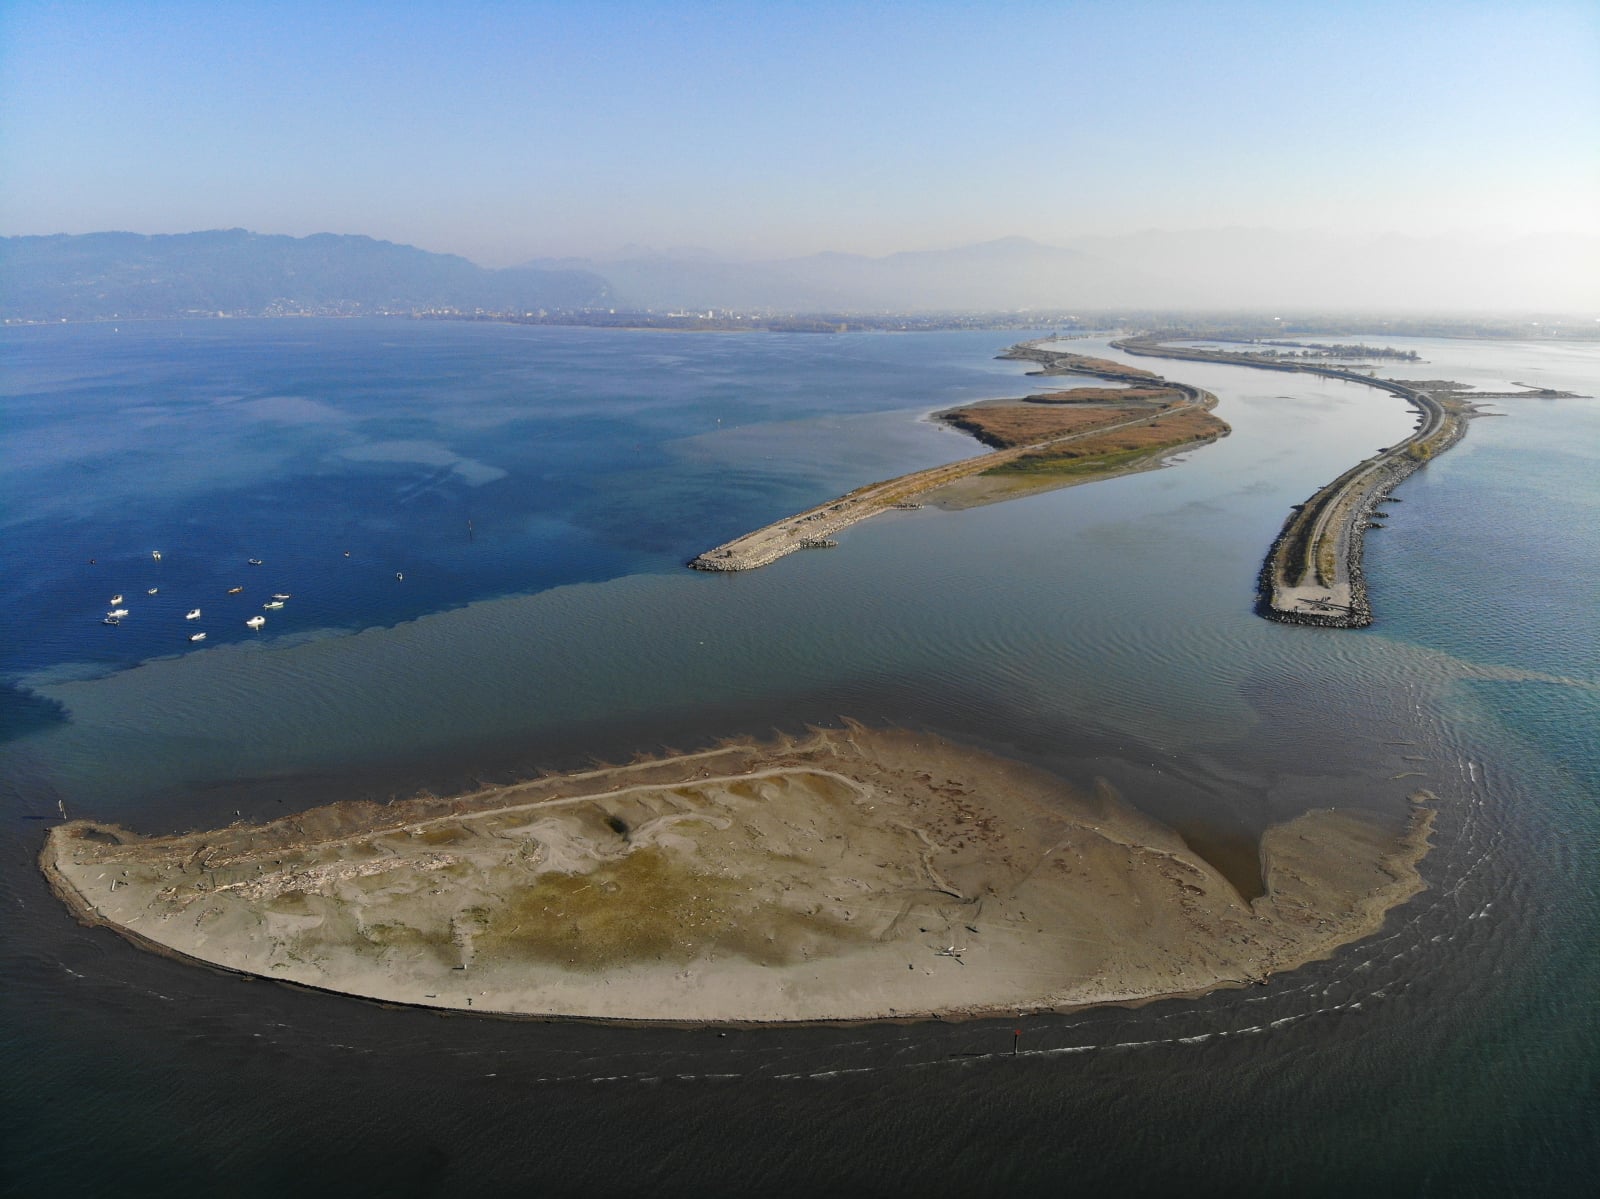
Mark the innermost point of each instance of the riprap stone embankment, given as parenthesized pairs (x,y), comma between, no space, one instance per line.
(1313,573)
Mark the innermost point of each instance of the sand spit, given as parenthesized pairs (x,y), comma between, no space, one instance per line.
(815,527)
(978,491)
(852,875)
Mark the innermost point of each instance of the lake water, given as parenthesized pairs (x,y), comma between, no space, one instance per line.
(1101,632)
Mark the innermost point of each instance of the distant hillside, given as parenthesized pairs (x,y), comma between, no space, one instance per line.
(1198,270)
(96,275)
(100,275)
(1446,272)
(1005,275)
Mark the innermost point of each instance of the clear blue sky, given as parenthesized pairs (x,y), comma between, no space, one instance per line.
(504,131)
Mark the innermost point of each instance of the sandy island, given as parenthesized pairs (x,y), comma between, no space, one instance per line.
(851,875)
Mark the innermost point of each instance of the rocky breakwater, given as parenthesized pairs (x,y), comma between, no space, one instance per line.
(1312,574)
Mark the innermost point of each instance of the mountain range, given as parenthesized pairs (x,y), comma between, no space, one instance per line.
(100,275)
(233,271)
(1197,270)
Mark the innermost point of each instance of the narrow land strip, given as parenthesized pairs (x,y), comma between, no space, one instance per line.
(1145,400)
(1312,574)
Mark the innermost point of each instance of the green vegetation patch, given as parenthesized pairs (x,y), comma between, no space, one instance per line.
(1068,462)
(405,941)
(291,903)
(650,906)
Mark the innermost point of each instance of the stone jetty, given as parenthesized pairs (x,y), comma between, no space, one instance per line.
(1312,574)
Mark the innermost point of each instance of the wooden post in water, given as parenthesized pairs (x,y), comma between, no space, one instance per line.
(1016,1038)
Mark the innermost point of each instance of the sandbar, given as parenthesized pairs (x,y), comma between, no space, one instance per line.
(848,875)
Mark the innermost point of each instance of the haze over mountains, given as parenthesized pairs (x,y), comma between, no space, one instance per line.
(1206,269)
(233,271)
(103,275)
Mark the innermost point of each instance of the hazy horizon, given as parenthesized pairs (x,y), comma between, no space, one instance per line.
(510,133)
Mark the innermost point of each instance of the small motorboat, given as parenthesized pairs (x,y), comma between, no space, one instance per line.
(110,619)
(119,613)
(235,590)
(152,591)
(255,622)
(192,614)
(197,636)
(156,554)
(399,576)
(115,600)
(347,553)
(272,605)
(281,595)
(254,561)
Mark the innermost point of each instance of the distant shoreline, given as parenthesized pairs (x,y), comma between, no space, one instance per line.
(1065,326)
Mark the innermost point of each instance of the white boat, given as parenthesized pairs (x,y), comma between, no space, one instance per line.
(399,576)
(193,614)
(152,591)
(197,637)
(156,554)
(272,605)
(254,561)
(255,622)
(281,595)
(110,619)
(115,600)
(235,590)
(119,613)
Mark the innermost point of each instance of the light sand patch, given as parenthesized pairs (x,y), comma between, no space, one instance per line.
(850,876)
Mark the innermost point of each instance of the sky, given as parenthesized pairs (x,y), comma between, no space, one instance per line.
(505,132)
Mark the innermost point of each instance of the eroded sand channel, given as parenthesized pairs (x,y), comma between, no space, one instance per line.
(851,875)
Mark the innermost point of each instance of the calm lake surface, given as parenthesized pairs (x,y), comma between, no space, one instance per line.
(483,529)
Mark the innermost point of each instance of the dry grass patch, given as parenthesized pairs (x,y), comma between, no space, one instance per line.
(1065,363)
(1106,395)
(1122,445)
(650,906)
(1006,425)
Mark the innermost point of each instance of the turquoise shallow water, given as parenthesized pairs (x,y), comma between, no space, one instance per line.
(1102,631)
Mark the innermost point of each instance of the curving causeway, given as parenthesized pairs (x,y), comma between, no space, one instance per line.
(1312,574)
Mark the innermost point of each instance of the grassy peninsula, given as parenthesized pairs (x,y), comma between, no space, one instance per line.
(1058,437)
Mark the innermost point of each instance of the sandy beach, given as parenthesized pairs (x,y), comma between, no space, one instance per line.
(850,875)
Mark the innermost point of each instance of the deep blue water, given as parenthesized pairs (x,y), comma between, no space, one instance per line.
(476,461)
(1101,631)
